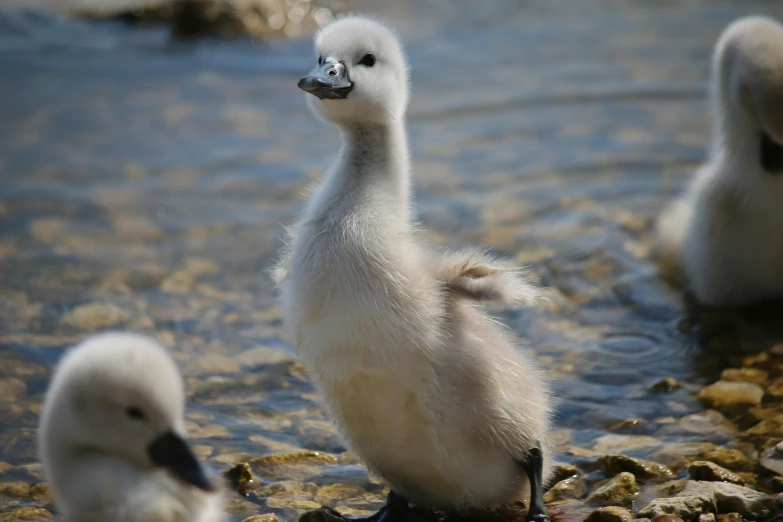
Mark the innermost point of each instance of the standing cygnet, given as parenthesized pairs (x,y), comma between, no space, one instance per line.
(111,438)
(432,393)
(725,236)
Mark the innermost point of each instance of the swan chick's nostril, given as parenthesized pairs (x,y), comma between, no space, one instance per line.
(332,73)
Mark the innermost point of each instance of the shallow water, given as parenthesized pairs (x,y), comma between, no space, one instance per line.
(153,179)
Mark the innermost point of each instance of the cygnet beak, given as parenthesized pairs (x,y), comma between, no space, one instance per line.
(171,452)
(329,81)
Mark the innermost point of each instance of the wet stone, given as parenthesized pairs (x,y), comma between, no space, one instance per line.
(96,316)
(242,479)
(749,503)
(12,389)
(40,492)
(332,494)
(731,397)
(268,517)
(772,459)
(619,490)
(25,514)
(754,375)
(730,517)
(615,442)
(609,514)
(707,517)
(569,488)
(709,471)
(667,384)
(666,518)
(562,472)
(17,489)
(642,469)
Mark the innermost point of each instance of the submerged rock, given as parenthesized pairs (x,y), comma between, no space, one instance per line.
(609,514)
(666,518)
(25,513)
(667,384)
(754,375)
(614,442)
(749,503)
(619,490)
(268,517)
(709,471)
(642,469)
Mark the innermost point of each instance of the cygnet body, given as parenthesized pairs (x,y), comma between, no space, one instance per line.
(111,437)
(724,237)
(431,392)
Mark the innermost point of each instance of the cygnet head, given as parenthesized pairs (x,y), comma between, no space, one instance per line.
(748,83)
(360,75)
(122,396)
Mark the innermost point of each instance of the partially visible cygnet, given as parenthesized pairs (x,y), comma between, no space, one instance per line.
(111,437)
(724,237)
(433,394)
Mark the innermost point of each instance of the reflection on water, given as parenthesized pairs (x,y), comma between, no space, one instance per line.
(144,184)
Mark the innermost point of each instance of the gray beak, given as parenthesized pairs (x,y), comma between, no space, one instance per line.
(171,452)
(329,81)
(771,155)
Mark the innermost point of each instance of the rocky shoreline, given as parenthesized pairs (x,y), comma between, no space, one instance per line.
(256,19)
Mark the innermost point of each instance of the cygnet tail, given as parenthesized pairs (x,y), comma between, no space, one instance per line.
(473,274)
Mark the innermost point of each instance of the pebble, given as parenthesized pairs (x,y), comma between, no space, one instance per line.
(731,397)
(667,384)
(562,472)
(666,518)
(615,442)
(772,459)
(25,514)
(642,469)
(709,471)
(754,375)
(609,514)
(569,488)
(12,389)
(242,479)
(619,490)
(268,517)
(96,316)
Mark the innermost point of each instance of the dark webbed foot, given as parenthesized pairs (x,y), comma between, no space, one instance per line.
(534,468)
(396,509)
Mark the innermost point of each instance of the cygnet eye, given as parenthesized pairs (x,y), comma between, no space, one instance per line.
(135,413)
(320,60)
(368,60)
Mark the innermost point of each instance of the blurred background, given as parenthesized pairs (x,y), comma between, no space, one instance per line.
(150,155)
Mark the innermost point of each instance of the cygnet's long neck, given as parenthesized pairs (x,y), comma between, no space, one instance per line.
(374,169)
(736,138)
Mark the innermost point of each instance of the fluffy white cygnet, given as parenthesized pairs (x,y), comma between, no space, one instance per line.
(111,437)
(432,393)
(725,235)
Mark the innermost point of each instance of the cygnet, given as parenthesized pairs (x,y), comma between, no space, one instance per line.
(433,394)
(111,437)
(724,237)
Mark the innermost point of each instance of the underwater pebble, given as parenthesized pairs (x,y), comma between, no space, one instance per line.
(665,385)
(242,479)
(563,471)
(618,490)
(666,518)
(772,458)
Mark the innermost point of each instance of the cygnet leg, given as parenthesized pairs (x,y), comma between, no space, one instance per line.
(534,467)
(396,509)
